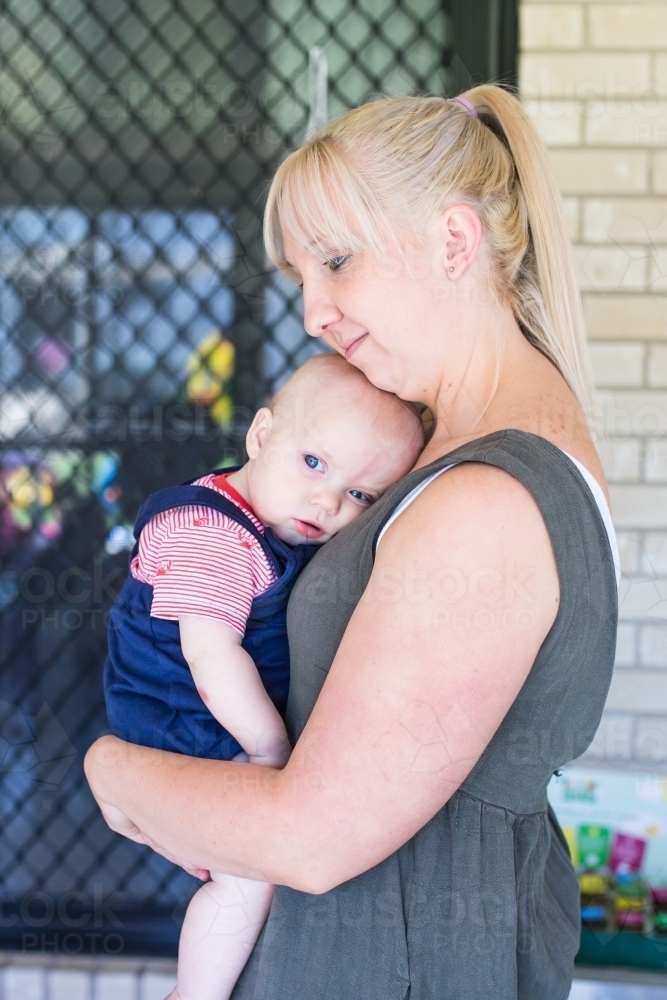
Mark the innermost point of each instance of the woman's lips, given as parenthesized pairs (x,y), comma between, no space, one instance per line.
(307,529)
(351,348)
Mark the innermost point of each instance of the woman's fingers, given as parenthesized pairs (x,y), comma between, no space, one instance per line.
(122,824)
(202,874)
(117,821)
(108,752)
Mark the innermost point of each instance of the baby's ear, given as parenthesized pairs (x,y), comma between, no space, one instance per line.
(259,430)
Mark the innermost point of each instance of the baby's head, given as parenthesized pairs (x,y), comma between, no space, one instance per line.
(326,449)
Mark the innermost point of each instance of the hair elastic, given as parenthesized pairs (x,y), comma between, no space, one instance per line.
(467,105)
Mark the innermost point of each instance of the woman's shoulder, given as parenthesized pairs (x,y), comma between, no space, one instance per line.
(507,486)
(481,515)
(545,468)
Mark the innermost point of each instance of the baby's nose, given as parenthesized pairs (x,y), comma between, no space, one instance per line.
(329,501)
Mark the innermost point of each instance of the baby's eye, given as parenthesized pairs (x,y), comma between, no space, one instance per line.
(335,263)
(361,497)
(313,463)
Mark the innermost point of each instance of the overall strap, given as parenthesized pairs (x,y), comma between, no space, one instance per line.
(199,496)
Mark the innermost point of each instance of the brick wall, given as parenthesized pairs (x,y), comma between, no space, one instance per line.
(594,78)
(30,977)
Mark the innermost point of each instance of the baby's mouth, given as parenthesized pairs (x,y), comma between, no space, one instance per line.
(308,529)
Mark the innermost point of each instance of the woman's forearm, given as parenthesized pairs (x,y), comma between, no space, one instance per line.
(219,815)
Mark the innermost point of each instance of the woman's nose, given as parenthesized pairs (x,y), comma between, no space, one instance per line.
(319,310)
(328,500)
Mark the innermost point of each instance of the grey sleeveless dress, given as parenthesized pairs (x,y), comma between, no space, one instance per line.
(482,903)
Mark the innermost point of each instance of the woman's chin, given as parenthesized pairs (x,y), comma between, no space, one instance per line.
(377,375)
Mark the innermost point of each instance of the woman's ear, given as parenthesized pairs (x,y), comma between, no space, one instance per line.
(259,430)
(461,236)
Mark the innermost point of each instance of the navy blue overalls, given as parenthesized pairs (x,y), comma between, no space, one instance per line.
(151,697)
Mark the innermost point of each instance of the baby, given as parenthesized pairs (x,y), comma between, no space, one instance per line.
(198,660)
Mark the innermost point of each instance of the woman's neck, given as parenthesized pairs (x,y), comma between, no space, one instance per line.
(468,397)
(529,394)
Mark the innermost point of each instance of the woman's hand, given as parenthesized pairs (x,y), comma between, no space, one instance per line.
(120,823)
(105,751)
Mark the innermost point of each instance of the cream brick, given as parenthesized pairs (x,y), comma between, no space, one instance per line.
(571,212)
(42,977)
(626,645)
(558,122)
(653,645)
(582,75)
(613,740)
(655,461)
(638,691)
(654,554)
(628,26)
(639,507)
(610,268)
(598,172)
(68,984)
(649,745)
(24,984)
(658,270)
(621,459)
(626,317)
(660,173)
(657,365)
(115,986)
(618,733)
(625,220)
(155,986)
(629,550)
(547,26)
(641,122)
(586,2)
(617,364)
(642,599)
(660,64)
(631,413)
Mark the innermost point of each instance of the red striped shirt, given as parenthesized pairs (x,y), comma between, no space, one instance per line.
(201,562)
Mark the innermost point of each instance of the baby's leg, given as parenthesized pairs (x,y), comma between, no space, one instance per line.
(221,925)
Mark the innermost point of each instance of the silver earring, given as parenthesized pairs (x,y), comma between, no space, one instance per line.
(451,269)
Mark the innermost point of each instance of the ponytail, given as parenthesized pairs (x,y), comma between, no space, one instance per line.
(544,292)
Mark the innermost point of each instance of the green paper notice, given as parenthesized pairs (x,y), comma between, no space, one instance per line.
(594,843)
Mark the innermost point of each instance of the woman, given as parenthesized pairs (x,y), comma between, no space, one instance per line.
(454,646)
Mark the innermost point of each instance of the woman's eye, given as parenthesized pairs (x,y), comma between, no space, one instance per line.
(313,462)
(335,263)
(361,497)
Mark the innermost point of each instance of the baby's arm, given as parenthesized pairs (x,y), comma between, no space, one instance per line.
(230,687)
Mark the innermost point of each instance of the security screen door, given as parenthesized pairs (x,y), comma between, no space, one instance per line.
(139,329)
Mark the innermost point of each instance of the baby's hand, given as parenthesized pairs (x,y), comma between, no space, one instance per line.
(274,750)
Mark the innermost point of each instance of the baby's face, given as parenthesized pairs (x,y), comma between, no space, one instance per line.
(319,469)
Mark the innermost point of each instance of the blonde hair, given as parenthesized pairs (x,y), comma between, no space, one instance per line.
(393,164)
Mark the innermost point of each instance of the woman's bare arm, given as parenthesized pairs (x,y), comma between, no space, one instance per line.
(463,592)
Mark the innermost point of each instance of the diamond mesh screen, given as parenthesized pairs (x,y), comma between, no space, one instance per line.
(139,329)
